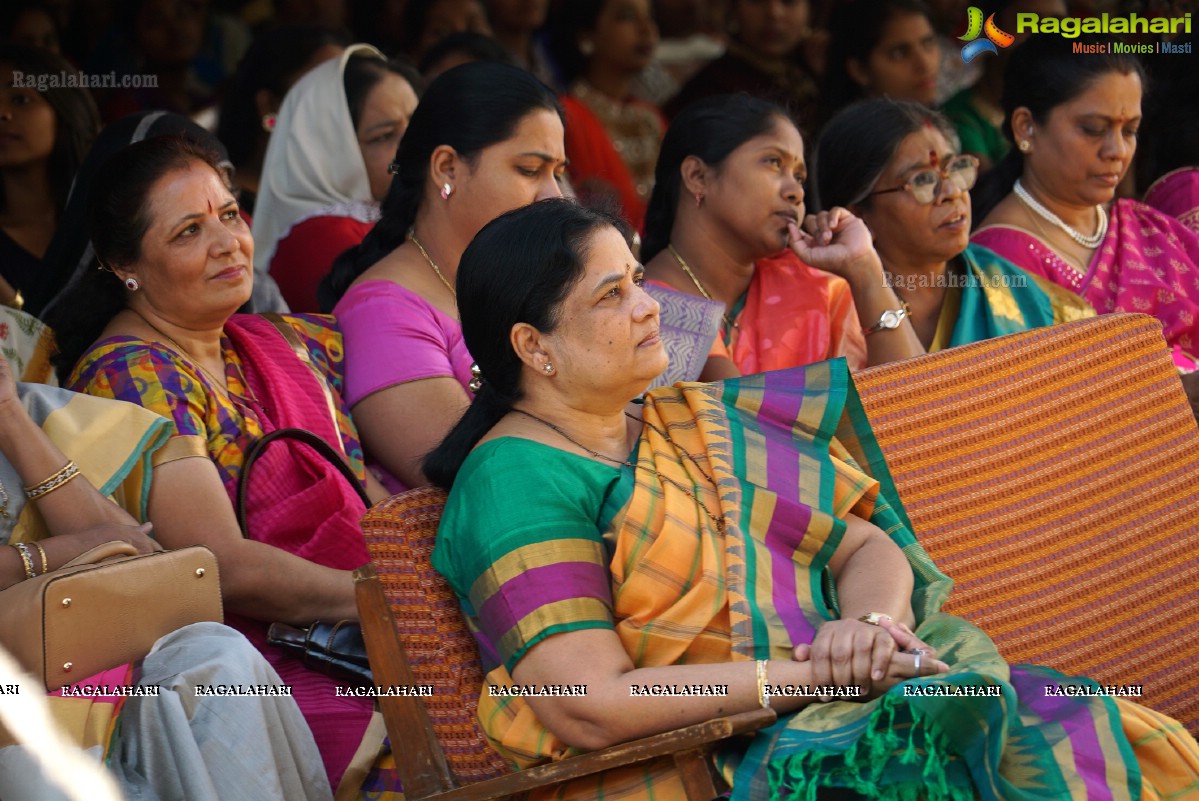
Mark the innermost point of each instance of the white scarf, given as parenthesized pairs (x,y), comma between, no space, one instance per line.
(313,160)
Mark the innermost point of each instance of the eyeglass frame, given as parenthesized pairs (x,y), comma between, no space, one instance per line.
(942,176)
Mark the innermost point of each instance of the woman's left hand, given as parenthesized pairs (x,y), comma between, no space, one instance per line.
(837,242)
(850,653)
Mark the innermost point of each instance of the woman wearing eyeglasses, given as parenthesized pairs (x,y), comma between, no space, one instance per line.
(724,224)
(896,165)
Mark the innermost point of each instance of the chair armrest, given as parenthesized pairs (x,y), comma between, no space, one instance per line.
(658,745)
(419,758)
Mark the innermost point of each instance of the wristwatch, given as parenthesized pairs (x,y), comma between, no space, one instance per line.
(889,320)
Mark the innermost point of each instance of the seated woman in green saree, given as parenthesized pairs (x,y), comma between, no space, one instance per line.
(897,165)
(710,548)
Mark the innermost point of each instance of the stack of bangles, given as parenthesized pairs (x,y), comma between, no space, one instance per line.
(68,472)
(27,559)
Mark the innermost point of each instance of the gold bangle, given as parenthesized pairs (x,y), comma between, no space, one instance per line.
(763,686)
(26,559)
(42,551)
(68,472)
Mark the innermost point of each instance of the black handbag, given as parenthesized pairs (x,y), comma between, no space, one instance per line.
(333,648)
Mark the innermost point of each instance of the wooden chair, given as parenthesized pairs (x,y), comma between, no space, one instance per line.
(415,635)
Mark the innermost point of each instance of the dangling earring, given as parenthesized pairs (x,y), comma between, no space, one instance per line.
(446,191)
(131,284)
(548,368)
(699,199)
(268,122)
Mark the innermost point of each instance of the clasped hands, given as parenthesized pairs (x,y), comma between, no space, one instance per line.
(850,653)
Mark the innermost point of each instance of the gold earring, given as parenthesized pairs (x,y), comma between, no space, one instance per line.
(1024,146)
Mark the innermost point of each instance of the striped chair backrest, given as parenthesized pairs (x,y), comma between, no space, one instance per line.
(1054,475)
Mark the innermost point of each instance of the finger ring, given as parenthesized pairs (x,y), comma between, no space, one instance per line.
(919,654)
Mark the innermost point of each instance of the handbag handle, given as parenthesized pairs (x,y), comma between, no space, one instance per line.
(105,550)
(300,435)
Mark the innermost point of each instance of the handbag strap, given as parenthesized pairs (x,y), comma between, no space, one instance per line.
(98,553)
(300,435)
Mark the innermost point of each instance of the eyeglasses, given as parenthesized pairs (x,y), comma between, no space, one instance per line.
(925,185)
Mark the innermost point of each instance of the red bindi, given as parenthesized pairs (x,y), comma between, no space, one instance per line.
(932,157)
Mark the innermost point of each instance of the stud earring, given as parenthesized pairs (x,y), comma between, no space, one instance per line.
(268,122)
(446,191)
(131,284)
(548,368)
(1024,146)
(587,47)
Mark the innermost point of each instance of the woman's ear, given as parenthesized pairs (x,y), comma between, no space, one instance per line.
(445,167)
(695,175)
(1022,124)
(529,345)
(857,73)
(265,102)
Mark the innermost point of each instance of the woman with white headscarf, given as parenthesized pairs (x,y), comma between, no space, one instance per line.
(325,169)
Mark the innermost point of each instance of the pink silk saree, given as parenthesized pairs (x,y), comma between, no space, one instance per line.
(1148,263)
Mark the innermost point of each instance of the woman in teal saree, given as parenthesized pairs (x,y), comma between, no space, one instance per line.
(897,165)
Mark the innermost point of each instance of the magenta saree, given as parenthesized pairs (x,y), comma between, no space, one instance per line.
(299,503)
(1148,263)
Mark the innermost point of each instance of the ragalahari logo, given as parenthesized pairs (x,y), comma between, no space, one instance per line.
(975,27)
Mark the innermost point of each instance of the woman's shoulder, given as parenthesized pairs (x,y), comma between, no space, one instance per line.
(127,354)
(379,304)
(529,476)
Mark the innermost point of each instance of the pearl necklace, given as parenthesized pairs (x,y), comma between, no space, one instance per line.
(1089,242)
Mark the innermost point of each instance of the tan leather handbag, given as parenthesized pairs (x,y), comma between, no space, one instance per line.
(106,607)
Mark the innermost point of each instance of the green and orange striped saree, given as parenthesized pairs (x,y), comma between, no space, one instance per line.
(538,541)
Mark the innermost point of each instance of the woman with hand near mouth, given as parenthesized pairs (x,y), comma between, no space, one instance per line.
(894,164)
(1050,206)
(724,225)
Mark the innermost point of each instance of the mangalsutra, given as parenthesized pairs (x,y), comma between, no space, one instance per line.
(1090,242)
(698,285)
(626,463)
(433,264)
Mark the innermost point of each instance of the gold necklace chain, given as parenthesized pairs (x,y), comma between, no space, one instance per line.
(626,463)
(698,285)
(219,383)
(433,264)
